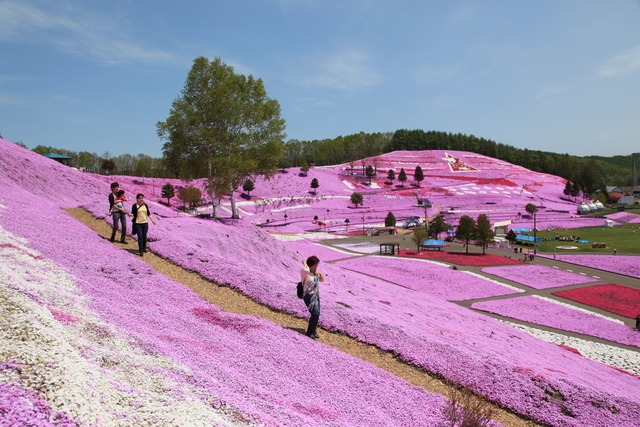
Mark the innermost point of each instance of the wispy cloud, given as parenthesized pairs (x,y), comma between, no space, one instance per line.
(73,31)
(623,63)
(347,70)
(11,100)
(438,74)
(549,92)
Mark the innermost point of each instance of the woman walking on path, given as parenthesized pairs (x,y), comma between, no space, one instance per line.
(141,215)
(310,278)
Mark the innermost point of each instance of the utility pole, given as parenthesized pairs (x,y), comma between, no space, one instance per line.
(634,179)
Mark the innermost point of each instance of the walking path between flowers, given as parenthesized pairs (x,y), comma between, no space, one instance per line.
(233,301)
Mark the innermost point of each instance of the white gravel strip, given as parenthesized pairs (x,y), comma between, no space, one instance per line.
(82,365)
(628,360)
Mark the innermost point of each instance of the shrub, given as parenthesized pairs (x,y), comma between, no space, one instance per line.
(357,199)
(190,196)
(390,220)
(168,191)
(465,409)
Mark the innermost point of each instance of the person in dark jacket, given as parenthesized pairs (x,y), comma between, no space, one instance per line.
(117,215)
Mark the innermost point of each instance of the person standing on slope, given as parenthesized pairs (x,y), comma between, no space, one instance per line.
(311,278)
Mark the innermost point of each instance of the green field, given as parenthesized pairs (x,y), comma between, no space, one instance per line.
(624,238)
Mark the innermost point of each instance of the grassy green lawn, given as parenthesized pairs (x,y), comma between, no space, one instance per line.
(624,238)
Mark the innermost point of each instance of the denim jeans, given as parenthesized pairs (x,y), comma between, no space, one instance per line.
(141,231)
(122,218)
(313,304)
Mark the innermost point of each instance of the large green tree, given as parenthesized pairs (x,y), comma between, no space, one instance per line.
(402,177)
(418,175)
(436,226)
(484,233)
(466,230)
(223,127)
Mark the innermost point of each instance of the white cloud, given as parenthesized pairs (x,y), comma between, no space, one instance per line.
(623,63)
(73,31)
(347,70)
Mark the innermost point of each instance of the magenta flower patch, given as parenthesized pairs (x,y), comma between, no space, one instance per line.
(548,313)
(538,276)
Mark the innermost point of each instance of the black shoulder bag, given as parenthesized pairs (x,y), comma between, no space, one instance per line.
(300,290)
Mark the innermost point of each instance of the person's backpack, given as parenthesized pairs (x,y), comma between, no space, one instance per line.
(300,290)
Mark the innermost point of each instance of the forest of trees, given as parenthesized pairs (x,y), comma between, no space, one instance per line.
(588,173)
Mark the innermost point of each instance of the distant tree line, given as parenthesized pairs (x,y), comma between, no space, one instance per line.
(124,164)
(588,174)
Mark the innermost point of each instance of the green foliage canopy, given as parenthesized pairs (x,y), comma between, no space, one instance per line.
(223,127)
(356,199)
(168,191)
(484,234)
(466,230)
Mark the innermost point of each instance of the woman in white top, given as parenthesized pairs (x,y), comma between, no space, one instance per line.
(310,278)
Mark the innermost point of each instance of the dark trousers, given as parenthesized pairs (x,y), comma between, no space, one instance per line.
(141,231)
(122,219)
(315,314)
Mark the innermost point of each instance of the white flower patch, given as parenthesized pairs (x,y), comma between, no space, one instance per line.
(471,273)
(348,184)
(287,237)
(628,360)
(289,208)
(81,365)
(323,236)
(584,310)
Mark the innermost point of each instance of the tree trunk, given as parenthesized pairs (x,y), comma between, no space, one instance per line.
(212,193)
(234,208)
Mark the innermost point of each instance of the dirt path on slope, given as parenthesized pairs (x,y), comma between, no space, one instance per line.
(233,301)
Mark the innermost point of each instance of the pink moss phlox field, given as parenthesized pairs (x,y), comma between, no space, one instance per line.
(226,353)
(272,383)
(352,304)
(306,248)
(543,312)
(432,279)
(538,276)
(621,264)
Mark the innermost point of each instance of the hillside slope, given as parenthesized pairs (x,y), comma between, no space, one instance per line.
(259,372)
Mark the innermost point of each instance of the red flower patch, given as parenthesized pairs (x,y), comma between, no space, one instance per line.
(460,258)
(611,297)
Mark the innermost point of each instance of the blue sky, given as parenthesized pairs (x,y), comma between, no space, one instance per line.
(553,75)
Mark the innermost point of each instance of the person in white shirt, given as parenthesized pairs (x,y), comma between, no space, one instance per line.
(311,278)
